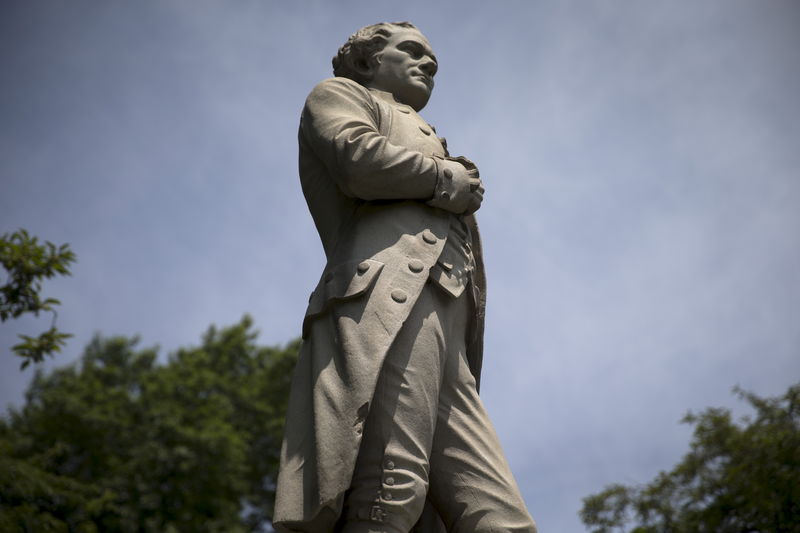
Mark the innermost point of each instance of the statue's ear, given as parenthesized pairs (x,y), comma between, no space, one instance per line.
(366,66)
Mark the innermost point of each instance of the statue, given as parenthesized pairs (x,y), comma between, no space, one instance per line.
(385,430)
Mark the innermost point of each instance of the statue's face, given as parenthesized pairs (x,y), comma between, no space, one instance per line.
(405,68)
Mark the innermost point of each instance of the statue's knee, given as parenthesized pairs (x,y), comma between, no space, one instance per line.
(395,506)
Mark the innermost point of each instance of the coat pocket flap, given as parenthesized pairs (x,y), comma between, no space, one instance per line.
(344,281)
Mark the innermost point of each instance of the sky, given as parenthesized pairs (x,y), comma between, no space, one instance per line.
(641,225)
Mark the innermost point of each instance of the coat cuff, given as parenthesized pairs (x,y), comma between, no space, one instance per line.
(444,190)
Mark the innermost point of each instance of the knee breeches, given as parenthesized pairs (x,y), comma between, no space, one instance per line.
(428,435)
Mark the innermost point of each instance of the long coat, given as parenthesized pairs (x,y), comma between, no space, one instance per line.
(368,164)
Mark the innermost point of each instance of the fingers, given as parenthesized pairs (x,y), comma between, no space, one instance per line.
(466,163)
(476,199)
(476,189)
(474,205)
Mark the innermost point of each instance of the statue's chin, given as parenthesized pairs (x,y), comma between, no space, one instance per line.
(417,99)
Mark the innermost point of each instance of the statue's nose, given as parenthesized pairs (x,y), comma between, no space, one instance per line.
(428,66)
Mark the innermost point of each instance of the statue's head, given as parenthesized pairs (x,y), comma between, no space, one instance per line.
(390,56)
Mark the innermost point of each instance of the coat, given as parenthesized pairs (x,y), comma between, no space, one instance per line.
(368,164)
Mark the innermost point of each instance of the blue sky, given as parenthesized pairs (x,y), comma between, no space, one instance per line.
(641,222)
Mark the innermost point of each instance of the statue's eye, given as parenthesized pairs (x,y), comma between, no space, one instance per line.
(413,50)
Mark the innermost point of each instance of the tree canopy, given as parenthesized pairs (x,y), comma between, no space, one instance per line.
(121,443)
(27,263)
(738,477)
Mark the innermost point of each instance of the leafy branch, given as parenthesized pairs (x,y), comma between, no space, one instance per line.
(27,263)
(738,477)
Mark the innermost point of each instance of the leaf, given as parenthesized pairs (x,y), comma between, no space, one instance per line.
(27,263)
(190,443)
(737,476)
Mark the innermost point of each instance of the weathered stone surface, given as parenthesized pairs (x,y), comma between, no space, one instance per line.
(385,427)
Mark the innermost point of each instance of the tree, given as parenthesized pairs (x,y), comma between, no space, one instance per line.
(737,477)
(27,263)
(120,443)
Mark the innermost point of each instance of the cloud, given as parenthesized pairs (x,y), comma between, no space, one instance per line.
(640,221)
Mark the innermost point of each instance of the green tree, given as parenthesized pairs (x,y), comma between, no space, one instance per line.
(27,264)
(120,443)
(737,477)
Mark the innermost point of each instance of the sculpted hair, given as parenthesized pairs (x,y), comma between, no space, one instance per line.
(354,56)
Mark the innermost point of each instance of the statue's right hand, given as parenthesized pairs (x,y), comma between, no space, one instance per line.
(476,200)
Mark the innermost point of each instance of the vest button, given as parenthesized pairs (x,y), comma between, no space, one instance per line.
(362,267)
(429,237)
(399,296)
(416,266)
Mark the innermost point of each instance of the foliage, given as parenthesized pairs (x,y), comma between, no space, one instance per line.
(737,477)
(28,263)
(120,443)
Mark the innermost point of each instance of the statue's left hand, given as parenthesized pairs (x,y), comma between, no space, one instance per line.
(477,194)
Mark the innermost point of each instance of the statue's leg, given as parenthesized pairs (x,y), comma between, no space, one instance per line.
(430,521)
(471,484)
(390,481)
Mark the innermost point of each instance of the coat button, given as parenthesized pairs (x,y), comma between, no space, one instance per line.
(429,237)
(399,296)
(390,481)
(362,267)
(445,196)
(448,173)
(387,495)
(416,266)
(390,465)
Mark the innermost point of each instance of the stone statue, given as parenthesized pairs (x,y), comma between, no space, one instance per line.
(385,431)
